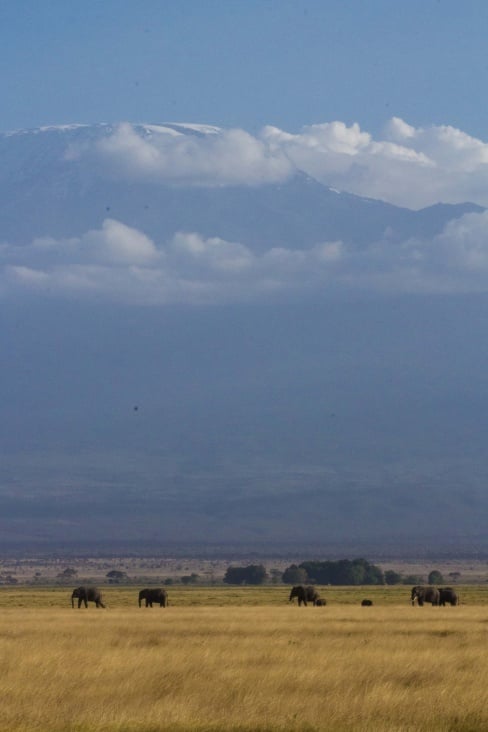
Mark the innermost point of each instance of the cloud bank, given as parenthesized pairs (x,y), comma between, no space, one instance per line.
(407,166)
(119,263)
(218,157)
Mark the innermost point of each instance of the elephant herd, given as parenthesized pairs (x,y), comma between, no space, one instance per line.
(92,594)
(310,594)
(157,596)
(435,595)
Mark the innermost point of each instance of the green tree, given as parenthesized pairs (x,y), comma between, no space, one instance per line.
(276,575)
(253,574)
(344,572)
(435,578)
(67,574)
(392,577)
(294,575)
(115,576)
(413,579)
(190,579)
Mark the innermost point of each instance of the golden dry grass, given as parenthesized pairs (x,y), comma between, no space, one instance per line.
(342,667)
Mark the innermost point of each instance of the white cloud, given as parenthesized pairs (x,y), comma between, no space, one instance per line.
(407,166)
(225,157)
(413,167)
(121,264)
(119,244)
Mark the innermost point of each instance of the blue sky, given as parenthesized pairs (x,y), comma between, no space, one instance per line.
(245,63)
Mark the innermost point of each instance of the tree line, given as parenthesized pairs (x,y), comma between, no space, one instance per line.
(339,572)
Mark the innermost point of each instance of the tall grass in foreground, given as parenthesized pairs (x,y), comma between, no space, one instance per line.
(244,668)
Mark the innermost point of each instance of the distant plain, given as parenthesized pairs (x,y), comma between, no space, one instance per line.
(45,569)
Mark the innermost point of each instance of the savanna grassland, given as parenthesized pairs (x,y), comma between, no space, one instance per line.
(223,658)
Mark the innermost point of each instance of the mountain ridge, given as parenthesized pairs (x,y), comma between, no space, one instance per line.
(45,193)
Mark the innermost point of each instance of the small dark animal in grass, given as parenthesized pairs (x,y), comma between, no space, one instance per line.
(320,602)
(425,594)
(304,594)
(448,596)
(156,595)
(86,595)
(366,603)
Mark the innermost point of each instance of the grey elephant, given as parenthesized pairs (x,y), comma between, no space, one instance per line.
(155,594)
(425,594)
(304,594)
(366,603)
(448,596)
(86,595)
(320,602)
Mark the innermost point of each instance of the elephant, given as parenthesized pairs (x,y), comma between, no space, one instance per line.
(304,594)
(320,602)
(86,594)
(425,594)
(448,596)
(366,603)
(155,594)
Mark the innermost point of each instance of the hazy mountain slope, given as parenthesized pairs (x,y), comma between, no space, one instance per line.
(311,423)
(313,419)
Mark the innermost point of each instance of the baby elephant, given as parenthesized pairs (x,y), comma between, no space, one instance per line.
(366,603)
(320,602)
